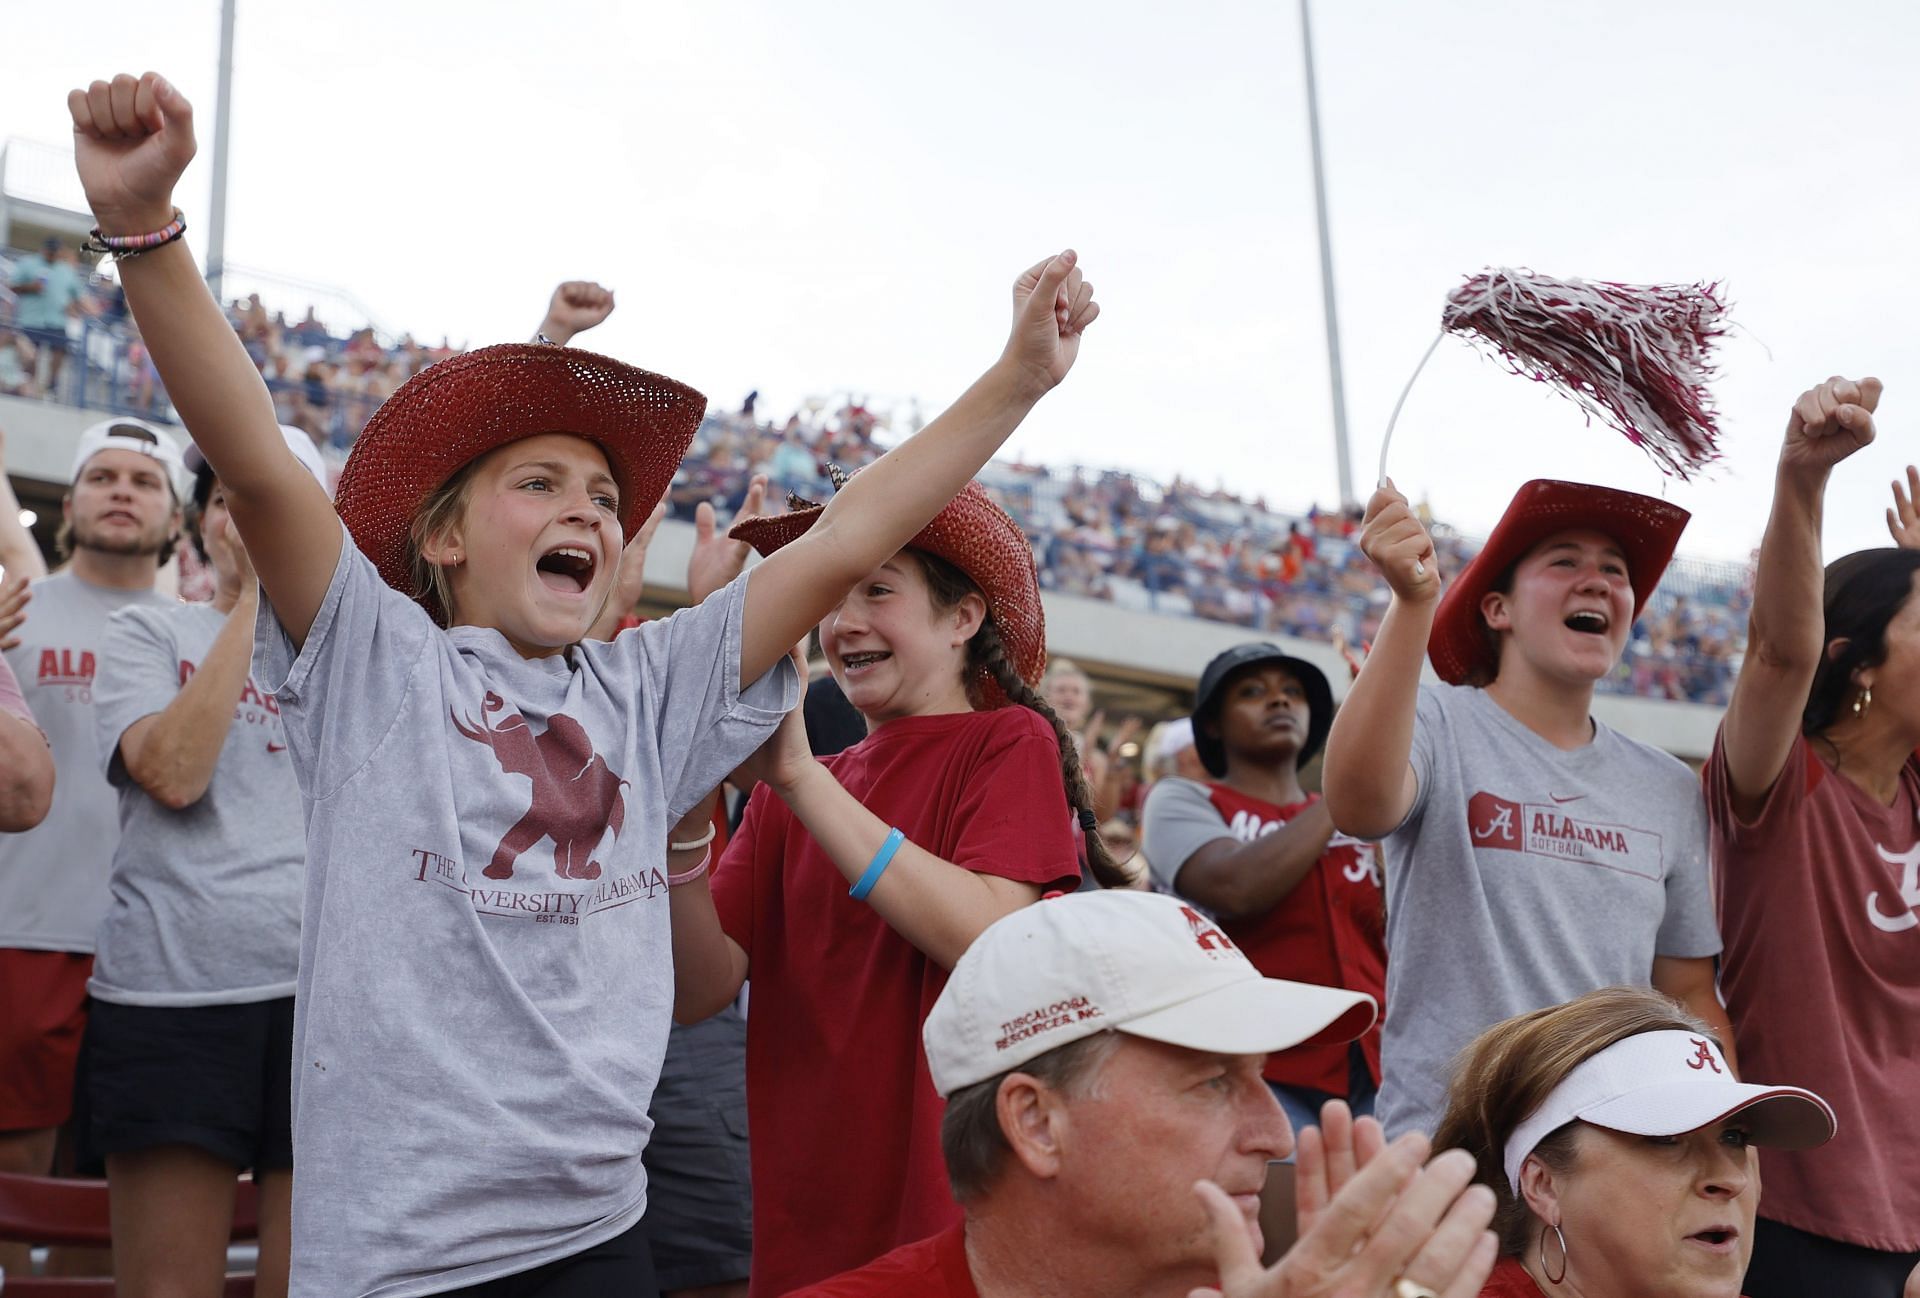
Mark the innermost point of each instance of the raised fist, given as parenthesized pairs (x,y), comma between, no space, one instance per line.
(1829,423)
(131,141)
(577,306)
(1052,306)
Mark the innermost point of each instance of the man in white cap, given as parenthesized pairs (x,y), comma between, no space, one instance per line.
(119,522)
(1108,1130)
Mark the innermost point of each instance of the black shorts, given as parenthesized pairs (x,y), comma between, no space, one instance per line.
(1789,1263)
(699,1194)
(620,1268)
(215,1077)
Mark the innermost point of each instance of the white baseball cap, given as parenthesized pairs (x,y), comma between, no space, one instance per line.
(297,441)
(1148,965)
(1176,736)
(1666,1083)
(136,435)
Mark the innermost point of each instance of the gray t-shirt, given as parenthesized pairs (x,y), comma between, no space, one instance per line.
(1525,876)
(53,878)
(486,973)
(206,900)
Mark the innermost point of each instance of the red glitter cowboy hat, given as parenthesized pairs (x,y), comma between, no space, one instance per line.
(452,413)
(1646,530)
(974,535)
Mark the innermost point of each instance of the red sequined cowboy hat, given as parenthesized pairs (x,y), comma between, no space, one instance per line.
(452,413)
(1646,530)
(974,535)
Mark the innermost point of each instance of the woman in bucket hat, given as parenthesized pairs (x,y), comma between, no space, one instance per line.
(484,983)
(1813,790)
(1531,853)
(1260,853)
(1620,1149)
(853,884)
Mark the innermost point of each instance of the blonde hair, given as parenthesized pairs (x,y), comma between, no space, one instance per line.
(443,509)
(1510,1069)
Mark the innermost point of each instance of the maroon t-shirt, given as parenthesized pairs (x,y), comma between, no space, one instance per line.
(1330,930)
(1820,909)
(1509,1280)
(932,1268)
(846,1124)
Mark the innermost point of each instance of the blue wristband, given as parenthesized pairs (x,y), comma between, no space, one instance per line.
(881,860)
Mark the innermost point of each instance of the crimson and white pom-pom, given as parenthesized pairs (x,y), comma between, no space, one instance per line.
(1636,355)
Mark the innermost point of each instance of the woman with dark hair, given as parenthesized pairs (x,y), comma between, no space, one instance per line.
(1814,796)
(1619,1148)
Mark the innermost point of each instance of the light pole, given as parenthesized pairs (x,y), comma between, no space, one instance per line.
(217,205)
(1341,456)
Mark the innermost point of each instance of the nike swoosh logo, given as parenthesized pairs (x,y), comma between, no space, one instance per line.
(1575,798)
(276,748)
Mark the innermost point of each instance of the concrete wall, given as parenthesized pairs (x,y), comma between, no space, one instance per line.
(1168,651)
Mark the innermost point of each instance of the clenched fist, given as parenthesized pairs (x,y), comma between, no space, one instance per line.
(1829,423)
(131,141)
(1392,537)
(1052,307)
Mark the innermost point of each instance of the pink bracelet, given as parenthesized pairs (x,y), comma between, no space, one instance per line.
(688,876)
(122,246)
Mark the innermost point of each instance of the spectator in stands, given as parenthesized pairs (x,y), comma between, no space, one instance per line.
(190,1036)
(26,763)
(1814,793)
(1532,852)
(954,803)
(119,522)
(1620,1150)
(492,535)
(1259,853)
(48,286)
(1101,1055)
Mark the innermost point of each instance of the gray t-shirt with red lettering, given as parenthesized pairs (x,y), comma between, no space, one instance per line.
(486,973)
(205,905)
(1525,876)
(53,878)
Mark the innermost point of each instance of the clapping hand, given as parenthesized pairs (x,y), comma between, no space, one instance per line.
(717,558)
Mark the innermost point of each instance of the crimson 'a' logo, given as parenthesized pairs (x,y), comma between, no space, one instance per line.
(1493,822)
(1205,934)
(1702,1056)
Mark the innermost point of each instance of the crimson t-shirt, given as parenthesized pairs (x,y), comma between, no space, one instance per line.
(932,1268)
(1330,930)
(1820,909)
(845,1121)
(1509,1280)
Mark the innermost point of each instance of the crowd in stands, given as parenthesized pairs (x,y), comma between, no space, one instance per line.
(1176,549)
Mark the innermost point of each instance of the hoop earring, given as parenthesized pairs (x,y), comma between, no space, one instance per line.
(1863,702)
(1553,1279)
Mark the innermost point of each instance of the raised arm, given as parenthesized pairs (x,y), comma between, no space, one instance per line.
(26,763)
(1786,631)
(883,506)
(1369,781)
(19,556)
(132,140)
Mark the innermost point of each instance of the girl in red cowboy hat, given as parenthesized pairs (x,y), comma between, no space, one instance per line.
(1532,852)
(854,883)
(484,982)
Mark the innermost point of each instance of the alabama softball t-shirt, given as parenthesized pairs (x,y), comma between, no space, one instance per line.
(486,970)
(205,901)
(53,878)
(1524,876)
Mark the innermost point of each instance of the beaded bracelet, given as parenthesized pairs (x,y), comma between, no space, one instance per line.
(123,246)
(688,876)
(701,841)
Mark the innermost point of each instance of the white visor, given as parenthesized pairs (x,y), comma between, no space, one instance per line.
(1664,1084)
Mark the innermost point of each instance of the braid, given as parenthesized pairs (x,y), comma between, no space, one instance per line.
(989,654)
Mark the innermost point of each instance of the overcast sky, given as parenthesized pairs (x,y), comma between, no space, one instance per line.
(834,196)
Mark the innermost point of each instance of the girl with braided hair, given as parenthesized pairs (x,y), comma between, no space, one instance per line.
(854,883)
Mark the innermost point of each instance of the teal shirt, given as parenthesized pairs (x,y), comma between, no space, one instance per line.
(62,284)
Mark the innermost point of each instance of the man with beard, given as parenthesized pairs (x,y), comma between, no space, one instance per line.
(119,523)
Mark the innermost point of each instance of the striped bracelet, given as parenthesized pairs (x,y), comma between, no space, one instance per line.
(122,246)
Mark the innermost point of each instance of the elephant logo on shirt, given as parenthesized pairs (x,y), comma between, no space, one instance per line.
(577,797)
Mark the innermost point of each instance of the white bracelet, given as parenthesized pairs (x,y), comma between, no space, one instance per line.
(712,829)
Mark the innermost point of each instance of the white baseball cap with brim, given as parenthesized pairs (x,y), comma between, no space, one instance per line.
(1151,966)
(138,436)
(297,441)
(1668,1083)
